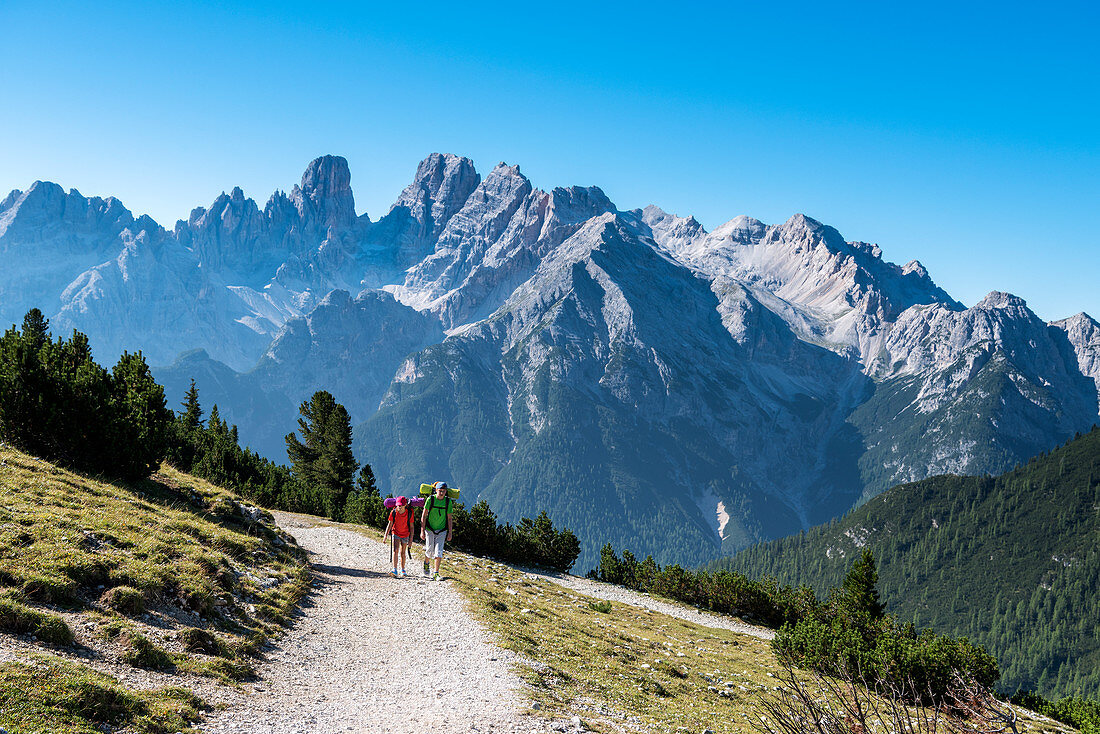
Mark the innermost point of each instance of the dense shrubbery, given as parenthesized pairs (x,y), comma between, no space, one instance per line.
(532,542)
(764,601)
(321,483)
(1077,712)
(847,634)
(57,403)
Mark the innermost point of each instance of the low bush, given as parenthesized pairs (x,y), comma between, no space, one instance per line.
(124,599)
(20,619)
(1079,713)
(194,639)
(530,543)
(142,653)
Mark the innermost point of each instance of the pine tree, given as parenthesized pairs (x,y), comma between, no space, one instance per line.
(323,458)
(141,430)
(365,482)
(215,424)
(192,412)
(859,597)
(36,328)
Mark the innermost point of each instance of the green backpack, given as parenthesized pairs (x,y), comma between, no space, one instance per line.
(434,513)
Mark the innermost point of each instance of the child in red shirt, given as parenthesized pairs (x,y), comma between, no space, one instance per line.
(400,527)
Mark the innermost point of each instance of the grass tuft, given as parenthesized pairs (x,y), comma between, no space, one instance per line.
(50,695)
(141,652)
(194,639)
(124,599)
(20,619)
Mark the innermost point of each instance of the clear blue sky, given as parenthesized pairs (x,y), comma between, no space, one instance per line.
(963,135)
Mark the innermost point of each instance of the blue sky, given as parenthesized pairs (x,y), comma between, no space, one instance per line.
(962,135)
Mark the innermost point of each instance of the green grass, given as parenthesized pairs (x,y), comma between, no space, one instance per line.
(20,619)
(68,540)
(170,574)
(617,665)
(52,696)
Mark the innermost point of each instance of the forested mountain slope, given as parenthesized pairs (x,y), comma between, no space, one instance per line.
(1012,562)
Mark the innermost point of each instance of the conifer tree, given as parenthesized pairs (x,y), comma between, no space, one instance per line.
(365,482)
(322,458)
(142,418)
(192,411)
(215,424)
(859,595)
(36,329)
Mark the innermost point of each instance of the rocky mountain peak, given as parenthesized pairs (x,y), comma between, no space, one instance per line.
(670,231)
(10,199)
(1002,300)
(568,209)
(441,187)
(741,229)
(803,232)
(444,177)
(45,210)
(324,197)
(914,267)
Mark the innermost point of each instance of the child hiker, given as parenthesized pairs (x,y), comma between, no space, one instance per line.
(436,526)
(400,529)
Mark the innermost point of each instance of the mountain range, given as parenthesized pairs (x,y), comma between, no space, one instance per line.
(671,390)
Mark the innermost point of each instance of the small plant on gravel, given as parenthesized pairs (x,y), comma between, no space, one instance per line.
(142,653)
(222,669)
(194,639)
(19,619)
(124,599)
(603,607)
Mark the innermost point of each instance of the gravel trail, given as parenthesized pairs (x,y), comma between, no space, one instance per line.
(610,592)
(354,661)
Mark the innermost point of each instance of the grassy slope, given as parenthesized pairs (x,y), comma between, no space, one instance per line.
(171,574)
(1011,562)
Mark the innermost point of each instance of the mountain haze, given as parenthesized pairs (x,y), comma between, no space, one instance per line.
(671,390)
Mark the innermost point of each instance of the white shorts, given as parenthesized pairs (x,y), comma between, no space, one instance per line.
(433,542)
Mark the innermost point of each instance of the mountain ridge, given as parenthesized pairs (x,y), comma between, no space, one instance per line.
(756,378)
